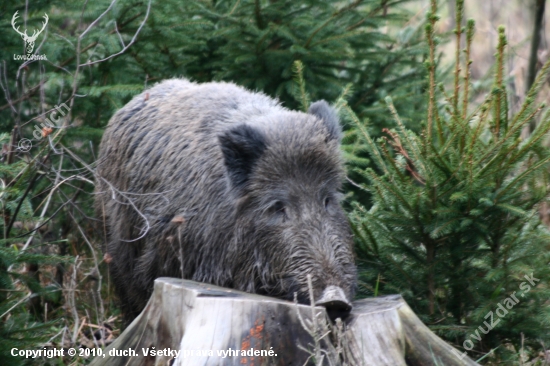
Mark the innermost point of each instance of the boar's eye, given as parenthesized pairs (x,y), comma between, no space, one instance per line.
(280,209)
(327,202)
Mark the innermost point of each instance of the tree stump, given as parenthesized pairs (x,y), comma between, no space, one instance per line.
(208,325)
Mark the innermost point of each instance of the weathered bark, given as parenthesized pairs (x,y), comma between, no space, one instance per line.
(533,57)
(538,17)
(187,316)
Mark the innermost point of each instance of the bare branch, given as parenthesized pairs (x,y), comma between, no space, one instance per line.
(7,92)
(129,44)
(119,35)
(97,20)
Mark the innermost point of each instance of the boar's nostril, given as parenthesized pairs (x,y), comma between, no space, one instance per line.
(337,309)
(335,301)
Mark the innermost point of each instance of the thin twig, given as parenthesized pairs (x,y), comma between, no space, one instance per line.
(128,45)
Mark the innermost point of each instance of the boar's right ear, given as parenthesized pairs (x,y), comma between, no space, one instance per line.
(241,146)
(322,110)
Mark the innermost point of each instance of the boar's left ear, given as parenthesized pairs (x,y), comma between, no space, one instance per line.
(241,146)
(328,115)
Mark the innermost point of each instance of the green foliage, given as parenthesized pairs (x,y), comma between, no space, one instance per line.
(454,225)
(19,328)
(256,42)
(251,42)
(21,291)
(36,88)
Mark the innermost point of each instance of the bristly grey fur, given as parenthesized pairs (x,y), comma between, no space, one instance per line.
(257,187)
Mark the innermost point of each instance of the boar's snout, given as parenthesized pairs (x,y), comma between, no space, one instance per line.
(334,300)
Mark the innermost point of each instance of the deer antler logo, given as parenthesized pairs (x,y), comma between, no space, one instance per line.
(29,40)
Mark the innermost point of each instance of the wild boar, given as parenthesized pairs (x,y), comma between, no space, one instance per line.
(217,184)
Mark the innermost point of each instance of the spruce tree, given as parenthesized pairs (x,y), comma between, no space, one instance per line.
(254,43)
(454,224)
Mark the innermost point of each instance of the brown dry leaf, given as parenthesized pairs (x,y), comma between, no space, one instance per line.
(46,131)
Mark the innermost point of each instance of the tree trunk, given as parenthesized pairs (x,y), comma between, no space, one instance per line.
(533,57)
(204,323)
